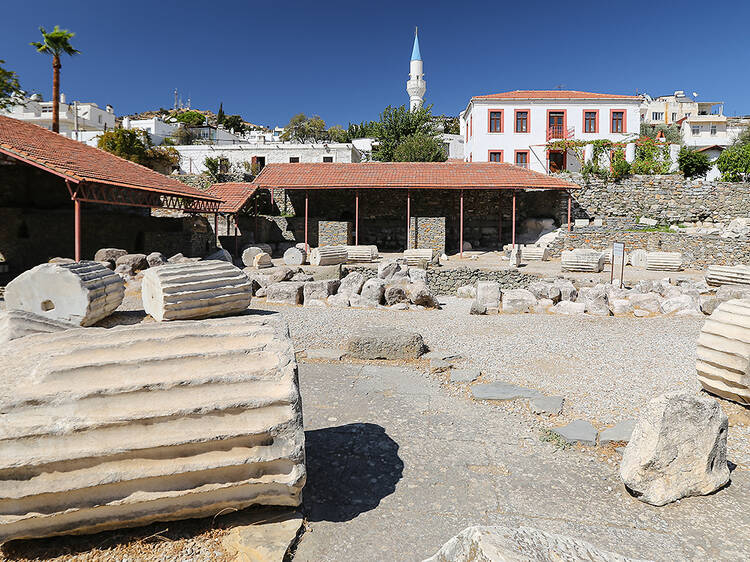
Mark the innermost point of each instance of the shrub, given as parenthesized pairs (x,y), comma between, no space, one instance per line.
(734,163)
(419,147)
(693,164)
(620,166)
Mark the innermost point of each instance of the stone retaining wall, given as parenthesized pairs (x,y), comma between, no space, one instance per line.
(666,198)
(427,232)
(698,252)
(445,281)
(334,233)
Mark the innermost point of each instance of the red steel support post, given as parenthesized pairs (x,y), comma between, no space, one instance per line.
(408,220)
(307,247)
(77,213)
(461,228)
(570,204)
(356,218)
(513,238)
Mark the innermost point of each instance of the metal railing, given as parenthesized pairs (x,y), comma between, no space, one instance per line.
(560,132)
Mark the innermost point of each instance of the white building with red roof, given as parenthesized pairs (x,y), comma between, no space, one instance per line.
(516,126)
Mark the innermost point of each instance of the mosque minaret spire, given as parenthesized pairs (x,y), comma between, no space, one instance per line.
(416,85)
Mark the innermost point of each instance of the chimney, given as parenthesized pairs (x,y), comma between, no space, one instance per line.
(62,98)
(110,109)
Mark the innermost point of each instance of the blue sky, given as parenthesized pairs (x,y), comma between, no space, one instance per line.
(346,61)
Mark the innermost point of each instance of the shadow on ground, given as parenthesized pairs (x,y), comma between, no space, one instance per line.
(350,468)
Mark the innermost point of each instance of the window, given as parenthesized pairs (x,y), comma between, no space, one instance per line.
(294,159)
(688,114)
(522,121)
(327,158)
(674,116)
(591,121)
(522,158)
(713,130)
(496,122)
(618,122)
(657,116)
(496,156)
(696,130)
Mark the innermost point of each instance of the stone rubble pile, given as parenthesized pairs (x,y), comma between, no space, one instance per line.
(396,286)
(669,296)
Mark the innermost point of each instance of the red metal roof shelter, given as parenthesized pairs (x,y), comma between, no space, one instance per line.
(236,198)
(95,176)
(410,175)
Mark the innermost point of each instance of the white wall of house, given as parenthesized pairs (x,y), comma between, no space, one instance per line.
(479,142)
(90,116)
(705,130)
(155,127)
(192,156)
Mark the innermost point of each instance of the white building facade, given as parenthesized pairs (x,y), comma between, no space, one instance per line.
(244,156)
(516,126)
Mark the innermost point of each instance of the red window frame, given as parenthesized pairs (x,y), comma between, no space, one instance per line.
(528,120)
(528,157)
(596,120)
(565,119)
(491,152)
(489,120)
(612,120)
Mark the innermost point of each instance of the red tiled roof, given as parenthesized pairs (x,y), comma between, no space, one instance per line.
(235,195)
(417,175)
(78,162)
(554,95)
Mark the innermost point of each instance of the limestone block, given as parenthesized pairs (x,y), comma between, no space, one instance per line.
(339,299)
(543,305)
(677,304)
(372,292)
(534,253)
(320,289)
(518,300)
(200,289)
(664,261)
(717,275)
(80,293)
(121,427)
(262,261)
(723,355)
(249,253)
(385,343)
(16,324)
(516,256)
(417,275)
(155,259)
(466,292)
(388,269)
(362,253)
(419,256)
(503,544)
(488,293)
(647,221)
(649,302)
(543,290)
(134,262)
(678,449)
(352,284)
(568,307)
(638,258)
(582,259)
(295,256)
(328,255)
(421,295)
(578,223)
(109,254)
(568,291)
(286,292)
(394,295)
(595,300)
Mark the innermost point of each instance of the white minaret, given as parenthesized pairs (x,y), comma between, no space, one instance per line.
(415,85)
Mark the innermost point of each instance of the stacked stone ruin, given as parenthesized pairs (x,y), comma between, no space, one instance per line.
(110,428)
(80,293)
(328,255)
(582,260)
(362,253)
(717,275)
(664,261)
(418,256)
(195,290)
(723,355)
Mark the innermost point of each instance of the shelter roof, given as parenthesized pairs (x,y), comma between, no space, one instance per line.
(234,194)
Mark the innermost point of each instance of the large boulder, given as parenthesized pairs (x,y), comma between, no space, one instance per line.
(181,291)
(421,295)
(133,262)
(543,290)
(285,292)
(395,294)
(385,343)
(80,293)
(525,544)
(678,304)
(320,290)
(156,259)
(219,255)
(568,307)
(352,284)
(648,302)
(723,355)
(110,428)
(568,291)
(678,449)
(466,292)
(489,294)
(372,292)
(109,254)
(518,300)
(387,269)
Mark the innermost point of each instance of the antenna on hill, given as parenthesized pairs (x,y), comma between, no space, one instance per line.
(559,86)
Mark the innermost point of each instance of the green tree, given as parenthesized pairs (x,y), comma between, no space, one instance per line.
(420,147)
(693,164)
(651,157)
(734,163)
(10,89)
(55,43)
(365,129)
(338,134)
(302,128)
(220,116)
(620,166)
(135,145)
(397,123)
(234,122)
(671,132)
(191,118)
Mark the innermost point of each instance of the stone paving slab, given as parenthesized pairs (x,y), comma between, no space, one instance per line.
(620,432)
(502,391)
(389,482)
(578,431)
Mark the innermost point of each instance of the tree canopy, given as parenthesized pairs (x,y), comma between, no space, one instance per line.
(398,123)
(10,89)
(734,163)
(135,145)
(55,42)
(191,118)
(233,122)
(693,164)
(419,147)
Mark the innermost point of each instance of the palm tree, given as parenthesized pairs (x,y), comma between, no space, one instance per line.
(55,43)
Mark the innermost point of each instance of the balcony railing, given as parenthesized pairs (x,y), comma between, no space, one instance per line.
(559,132)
